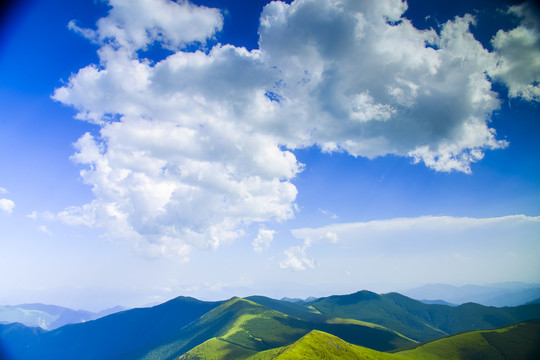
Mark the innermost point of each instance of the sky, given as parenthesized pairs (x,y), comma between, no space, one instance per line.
(152,148)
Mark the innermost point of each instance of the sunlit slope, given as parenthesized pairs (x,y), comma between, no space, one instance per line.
(241,323)
(517,342)
(253,328)
(419,321)
(321,345)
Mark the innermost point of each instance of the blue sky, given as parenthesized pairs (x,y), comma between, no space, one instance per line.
(221,148)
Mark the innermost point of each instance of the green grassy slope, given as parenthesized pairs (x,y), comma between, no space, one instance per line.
(321,345)
(241,322)
(254,328)
(517,342)
(419,321)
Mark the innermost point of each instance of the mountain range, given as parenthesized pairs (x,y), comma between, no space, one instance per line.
(380,325)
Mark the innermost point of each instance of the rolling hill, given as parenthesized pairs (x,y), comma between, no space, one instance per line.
(258,326)
(241,327)
(321,345)
(419,321)
(518,342)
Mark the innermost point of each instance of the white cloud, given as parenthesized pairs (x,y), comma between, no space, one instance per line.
(404,98)
(295,258)
(195,147)
(135,24)
(263,240)
(7,205)
(429,233)
(518,52)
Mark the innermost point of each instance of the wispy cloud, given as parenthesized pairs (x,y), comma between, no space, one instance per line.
(420,242)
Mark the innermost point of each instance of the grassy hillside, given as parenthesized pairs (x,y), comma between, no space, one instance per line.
(419,321)
(240,327)
(321,345)
(517,342)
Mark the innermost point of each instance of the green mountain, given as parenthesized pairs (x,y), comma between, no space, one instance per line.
(241,327)
(517,342)
(419,321)
(320,345)
(260,326)
(105,338)
(296,309)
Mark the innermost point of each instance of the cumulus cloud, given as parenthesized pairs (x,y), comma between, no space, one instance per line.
(263,240)
(6,205)
(518,52)
(195,147)
(135,24)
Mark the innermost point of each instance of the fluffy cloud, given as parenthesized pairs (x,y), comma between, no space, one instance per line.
(6,205)
(197,146)
(263,240)
(135,24)
(518,53)
(360,79)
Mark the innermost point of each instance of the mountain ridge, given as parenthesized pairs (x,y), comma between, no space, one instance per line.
(242,327)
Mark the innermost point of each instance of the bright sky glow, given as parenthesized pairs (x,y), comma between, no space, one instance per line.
(151,149)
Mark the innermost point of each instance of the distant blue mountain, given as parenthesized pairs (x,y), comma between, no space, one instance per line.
(49,317)
(500,294)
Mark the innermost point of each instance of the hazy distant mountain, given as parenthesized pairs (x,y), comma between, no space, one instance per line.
(501,294)
(49,317)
